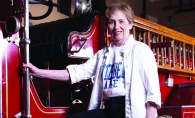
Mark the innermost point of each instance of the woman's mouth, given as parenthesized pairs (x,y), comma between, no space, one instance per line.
(117,32)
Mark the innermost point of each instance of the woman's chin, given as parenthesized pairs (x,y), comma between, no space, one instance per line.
(117,39)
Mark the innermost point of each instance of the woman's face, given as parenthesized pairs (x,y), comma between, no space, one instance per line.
(119,27)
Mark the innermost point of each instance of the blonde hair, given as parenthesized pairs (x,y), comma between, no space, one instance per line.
(126,9)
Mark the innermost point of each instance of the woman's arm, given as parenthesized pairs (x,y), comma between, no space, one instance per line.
(151,110)
(149,73)
(62,75)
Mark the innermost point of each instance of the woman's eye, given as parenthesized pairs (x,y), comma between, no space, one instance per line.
(110,22)
(121,21)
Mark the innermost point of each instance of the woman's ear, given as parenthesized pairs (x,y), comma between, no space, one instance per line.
(130,26)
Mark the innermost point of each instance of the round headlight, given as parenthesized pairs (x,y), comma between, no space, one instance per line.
(12,25)
(78,7)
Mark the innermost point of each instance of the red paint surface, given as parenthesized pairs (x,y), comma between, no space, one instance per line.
(91,45)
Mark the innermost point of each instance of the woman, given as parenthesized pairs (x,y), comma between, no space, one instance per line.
(126,79)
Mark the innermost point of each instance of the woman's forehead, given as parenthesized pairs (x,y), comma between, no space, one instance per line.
(117,13)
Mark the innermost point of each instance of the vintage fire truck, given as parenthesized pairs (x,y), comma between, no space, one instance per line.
(56,44)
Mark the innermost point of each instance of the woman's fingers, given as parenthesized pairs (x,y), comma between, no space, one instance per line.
(26,66)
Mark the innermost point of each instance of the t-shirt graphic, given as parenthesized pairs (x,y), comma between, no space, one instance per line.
(113,75)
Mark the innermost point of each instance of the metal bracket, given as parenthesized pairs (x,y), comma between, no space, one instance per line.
(169,81)
(17,42)
(82,45)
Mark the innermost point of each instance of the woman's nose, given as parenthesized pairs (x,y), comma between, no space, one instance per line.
(116,26)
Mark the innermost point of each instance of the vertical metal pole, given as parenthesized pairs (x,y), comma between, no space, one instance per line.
(26,81)
(1,79)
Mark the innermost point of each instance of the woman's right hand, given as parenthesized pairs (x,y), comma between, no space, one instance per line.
(32,68)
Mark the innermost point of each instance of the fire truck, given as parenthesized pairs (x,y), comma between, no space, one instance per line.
(73,40)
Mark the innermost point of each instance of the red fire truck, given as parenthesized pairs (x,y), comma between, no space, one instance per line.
(56,44)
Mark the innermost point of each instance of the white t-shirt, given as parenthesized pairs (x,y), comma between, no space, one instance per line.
(113,74)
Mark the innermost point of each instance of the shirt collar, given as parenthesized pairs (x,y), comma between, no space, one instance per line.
(127,44)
